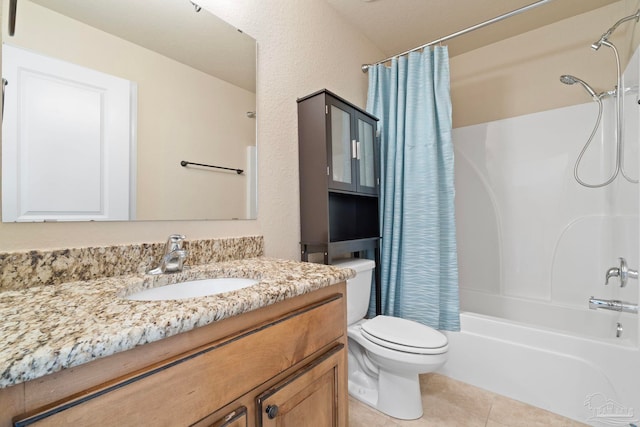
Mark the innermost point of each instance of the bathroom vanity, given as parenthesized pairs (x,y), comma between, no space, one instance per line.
(269,354)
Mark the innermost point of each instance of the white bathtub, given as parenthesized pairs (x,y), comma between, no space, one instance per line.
(577,321)
(584,378)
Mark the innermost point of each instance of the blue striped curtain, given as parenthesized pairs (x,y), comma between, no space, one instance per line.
(418,253)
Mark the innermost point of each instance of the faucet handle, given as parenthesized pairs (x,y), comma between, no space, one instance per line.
(174,243)
(181,254)
(623,272)
(612,272)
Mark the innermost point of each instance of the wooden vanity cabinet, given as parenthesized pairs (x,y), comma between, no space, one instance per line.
(290,366)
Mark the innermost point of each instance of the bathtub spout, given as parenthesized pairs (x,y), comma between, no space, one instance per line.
(615,305)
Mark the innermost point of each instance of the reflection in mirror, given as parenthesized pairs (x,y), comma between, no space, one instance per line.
(104,101)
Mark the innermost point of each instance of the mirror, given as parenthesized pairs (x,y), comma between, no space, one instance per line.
(105,99)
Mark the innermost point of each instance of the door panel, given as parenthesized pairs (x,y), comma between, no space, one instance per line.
(366,157)
(54,171)
(341,162)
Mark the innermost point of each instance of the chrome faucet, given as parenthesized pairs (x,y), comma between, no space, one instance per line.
(174,256)
(623,272)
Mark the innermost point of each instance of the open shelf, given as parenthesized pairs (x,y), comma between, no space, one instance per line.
(352,217)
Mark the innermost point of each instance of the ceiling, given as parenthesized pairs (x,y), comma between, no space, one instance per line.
(396,26)
(174,29)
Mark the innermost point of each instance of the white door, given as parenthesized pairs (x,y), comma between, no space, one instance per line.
(66,141)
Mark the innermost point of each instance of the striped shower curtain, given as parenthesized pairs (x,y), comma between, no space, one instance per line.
(418,254)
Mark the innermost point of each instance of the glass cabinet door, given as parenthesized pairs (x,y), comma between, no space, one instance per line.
(366,157)
(341,166)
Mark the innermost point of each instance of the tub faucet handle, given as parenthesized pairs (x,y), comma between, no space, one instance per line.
(623,272)
(612,272)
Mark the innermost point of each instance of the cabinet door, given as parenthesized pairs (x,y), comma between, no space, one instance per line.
(366,155)
(309,398)
(341,145)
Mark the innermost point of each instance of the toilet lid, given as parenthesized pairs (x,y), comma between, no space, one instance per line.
(404,335)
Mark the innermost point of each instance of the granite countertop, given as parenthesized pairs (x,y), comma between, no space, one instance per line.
(45,329)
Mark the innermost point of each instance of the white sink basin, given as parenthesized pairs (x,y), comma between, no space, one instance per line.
(192,289)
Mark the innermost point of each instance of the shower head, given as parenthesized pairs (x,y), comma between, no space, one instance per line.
(569,80)
(604,39)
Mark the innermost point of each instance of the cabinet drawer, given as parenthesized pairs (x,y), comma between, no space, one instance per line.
(185,389)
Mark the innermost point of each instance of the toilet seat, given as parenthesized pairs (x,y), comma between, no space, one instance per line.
(404,335)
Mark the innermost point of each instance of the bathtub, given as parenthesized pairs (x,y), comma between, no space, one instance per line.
(571,364)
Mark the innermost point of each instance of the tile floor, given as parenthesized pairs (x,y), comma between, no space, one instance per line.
(449,403)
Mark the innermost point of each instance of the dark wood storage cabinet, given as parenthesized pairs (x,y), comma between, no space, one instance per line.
(339,178)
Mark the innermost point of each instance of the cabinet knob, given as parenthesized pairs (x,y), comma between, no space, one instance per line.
(272,411)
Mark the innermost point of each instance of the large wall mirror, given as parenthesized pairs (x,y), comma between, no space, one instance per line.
(105,101)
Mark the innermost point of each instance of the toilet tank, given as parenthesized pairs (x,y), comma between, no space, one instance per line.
(358,288)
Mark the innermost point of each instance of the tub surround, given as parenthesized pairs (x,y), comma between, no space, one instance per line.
(50,327)
(534,245)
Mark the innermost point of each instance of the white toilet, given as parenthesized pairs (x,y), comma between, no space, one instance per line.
(386,354)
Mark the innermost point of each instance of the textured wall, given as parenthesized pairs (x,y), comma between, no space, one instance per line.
(303,46)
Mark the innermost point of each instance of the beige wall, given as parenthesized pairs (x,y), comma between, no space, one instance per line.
(520,75)
(303,46)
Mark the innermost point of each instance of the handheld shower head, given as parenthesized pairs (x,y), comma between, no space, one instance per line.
(570,80)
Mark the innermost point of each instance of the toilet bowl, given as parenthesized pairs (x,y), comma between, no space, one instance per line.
(387,354)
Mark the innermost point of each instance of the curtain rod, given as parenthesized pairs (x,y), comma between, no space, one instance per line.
(365,67)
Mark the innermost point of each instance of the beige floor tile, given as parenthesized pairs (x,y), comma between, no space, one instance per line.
(450,403)
(512,413)
(455,403)
(361,415)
